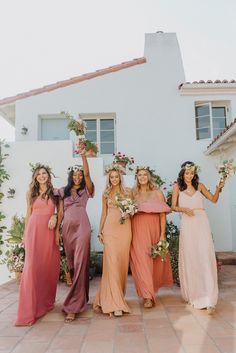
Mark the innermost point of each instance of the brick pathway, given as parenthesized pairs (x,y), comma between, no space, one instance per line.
(170,327)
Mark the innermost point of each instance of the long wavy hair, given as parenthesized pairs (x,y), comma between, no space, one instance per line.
(70,184)
(180,181)
(34,187)
(151,185)
(108,186)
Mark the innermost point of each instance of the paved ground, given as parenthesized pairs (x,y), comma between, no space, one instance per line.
(170,327)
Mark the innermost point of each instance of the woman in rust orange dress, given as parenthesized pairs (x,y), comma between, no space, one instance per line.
(148,227)
(116,239)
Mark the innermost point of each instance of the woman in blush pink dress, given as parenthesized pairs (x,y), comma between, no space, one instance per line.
(116,239)
(148,227)
(197,261)
(76,234)
(42,259)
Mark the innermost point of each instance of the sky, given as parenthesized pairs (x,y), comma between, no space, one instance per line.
(45,41)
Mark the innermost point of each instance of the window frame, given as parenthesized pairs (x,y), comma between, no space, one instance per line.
(98,119)
(55,116)
(211,105)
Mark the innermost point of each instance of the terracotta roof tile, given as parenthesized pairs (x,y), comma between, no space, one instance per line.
(205,82)
(73,80)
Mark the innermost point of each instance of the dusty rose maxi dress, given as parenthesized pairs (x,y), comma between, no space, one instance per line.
(76,234)
(42,266)
(197,261)
(117,239)
(149,274)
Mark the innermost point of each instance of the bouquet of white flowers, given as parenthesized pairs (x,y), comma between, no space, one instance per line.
(160,249)
(126,206)
(226,169)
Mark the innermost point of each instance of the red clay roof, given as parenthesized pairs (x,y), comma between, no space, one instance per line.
(73,80)
(208,81)
(222,133)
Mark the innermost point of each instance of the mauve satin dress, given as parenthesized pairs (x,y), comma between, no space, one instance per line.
(42,265)
(76,234)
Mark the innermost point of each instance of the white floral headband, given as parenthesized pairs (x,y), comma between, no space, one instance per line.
(75,168)
(114,167)
(141,167)
(192,166)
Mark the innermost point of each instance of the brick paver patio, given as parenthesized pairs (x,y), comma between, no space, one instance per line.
(170,327)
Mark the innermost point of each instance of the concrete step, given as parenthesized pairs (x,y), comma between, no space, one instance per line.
(226,257)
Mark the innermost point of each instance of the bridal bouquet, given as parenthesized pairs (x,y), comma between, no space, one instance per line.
(160,249)
(79,126)
(226,169)
(126,206)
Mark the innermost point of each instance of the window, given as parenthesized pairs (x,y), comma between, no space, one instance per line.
(102,132)
(210,120)
(54,128)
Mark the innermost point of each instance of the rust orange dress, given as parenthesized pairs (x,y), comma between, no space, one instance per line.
(149,274)
(117,239)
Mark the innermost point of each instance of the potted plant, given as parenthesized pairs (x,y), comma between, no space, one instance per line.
(64,270)
(15,255)
(172,236)
(123,160)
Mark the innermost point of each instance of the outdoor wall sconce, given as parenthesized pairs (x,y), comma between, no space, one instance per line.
(24,130)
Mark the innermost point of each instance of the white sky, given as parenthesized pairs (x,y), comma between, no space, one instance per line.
(44,41)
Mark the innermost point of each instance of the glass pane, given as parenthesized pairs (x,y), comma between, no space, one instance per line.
(107,148)
(216,132)
(203,133)
(91,135)
(203,110)
(54,129)
(219,123)
(107,136)
(218,112)
(203,122)
(91,124)
(107,124)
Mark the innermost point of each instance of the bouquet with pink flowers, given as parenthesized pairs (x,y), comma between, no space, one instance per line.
(226,169)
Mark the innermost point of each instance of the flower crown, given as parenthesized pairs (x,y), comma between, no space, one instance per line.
(75,168)
(154,176)
(191,166)
(114,167)
(141,167)
(36,166)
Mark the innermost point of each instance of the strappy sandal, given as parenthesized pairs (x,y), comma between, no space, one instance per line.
(147,303)
(69,318)
(118,313)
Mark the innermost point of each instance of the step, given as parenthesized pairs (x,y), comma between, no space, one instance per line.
(226,257)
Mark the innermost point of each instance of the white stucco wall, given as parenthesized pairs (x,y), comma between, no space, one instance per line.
(154,124)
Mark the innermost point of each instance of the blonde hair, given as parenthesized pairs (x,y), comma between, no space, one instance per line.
(108,187)
(150,184)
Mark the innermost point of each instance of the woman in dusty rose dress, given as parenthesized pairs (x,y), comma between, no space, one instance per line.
(148,227)
(42,259)
(197,261)
(76,234)
(116,239)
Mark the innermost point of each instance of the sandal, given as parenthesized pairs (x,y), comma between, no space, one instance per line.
(69,318)
(148,303)
(118,313)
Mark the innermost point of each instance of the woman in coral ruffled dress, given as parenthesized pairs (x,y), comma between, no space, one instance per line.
(116,239)
(197,261)
(148,227)
(42,259)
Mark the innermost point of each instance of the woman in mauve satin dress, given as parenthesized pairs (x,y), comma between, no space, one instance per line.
(148,227)
(116,238)
(197,261)
(42,258)
(76,235)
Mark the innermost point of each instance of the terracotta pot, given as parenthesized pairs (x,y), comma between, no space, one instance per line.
(91,153)
(18,277)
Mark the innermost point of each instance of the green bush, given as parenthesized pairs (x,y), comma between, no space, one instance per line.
(172,235)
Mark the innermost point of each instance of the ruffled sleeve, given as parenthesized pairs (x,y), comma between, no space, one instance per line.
(88,193)
(61,193)
(154,206)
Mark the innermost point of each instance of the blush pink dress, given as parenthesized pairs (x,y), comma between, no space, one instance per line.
(197,261)
(149,274)
(117,239)
(42,265)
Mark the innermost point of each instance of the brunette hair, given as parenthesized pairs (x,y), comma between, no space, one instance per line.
(34,187)
(70,184)
(180,181)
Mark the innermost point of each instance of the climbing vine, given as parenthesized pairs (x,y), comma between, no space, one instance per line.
(3,176)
